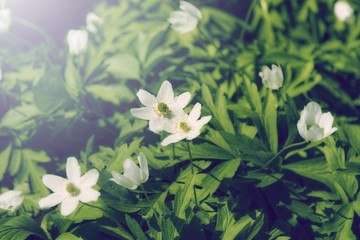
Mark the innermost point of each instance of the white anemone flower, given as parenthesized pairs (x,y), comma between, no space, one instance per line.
(186,20)
(343,10)
(70,191)
(77,41)
(10,200)
(5,20)
(185,126)
(91,20)
(313,124)
(133,175)
(272,78)
(160,108)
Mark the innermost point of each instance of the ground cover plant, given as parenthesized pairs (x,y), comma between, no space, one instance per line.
(183,120)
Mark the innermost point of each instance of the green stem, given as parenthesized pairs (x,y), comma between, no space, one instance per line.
(191,160)
(33,27)
(173,149)
(281,151)
(143,189)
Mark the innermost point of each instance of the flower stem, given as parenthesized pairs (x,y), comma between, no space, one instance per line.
(191,160)
(173,149)
(281,151)
(34,27)
(143,189)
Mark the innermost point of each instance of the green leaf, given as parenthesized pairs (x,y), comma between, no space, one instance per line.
(20,117)
(265,179)
(67,236)
(212,180)
(20,228)
(135,228)
(73,84)
(39,156)
(15,162)
(270,121)
(352,132)
(183,197)
(113,93)
(4,159)
(123,66)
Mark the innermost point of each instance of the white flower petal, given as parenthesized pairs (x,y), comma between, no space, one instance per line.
(51,200)
(55,183)
(191,9)
(69,205)
(10,200)
(144,169)
(156,125)
(173,138)
(77,41)
(194,113)
(343,10)
(311,114)
(182,100)
(315,134)
(89,179)
(73,169)
(146,98)
(132,171)
(89,195)
(165,93)
(122,180)
(146,113)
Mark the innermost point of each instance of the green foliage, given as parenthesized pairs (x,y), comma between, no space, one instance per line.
(246,176)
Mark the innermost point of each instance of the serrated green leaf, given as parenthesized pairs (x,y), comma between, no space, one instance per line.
(270,121)
(4,159)
(113,93)
(135,228)
(123,66)
(20,228)
(73,84)
(15,162)
(67,236)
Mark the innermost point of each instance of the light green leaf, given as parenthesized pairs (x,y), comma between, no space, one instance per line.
(113,93)
(67,236)
(135,228)
(73,82)
(4,159)
(270,122)
(123,66)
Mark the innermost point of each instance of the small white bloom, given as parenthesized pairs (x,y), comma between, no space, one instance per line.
(185,126)
(91,20)
(314,125)
(10,200)
(70,191)
(5,20)
(160,108)
(343,10)
(186,20)
(133,175)
(272,78)
(77,41)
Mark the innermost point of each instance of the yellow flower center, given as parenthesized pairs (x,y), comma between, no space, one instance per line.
(163,110)
(184,126)
(72,189)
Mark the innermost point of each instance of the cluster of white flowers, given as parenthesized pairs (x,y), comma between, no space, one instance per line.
(313,125)
(78,39)
(165,112)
